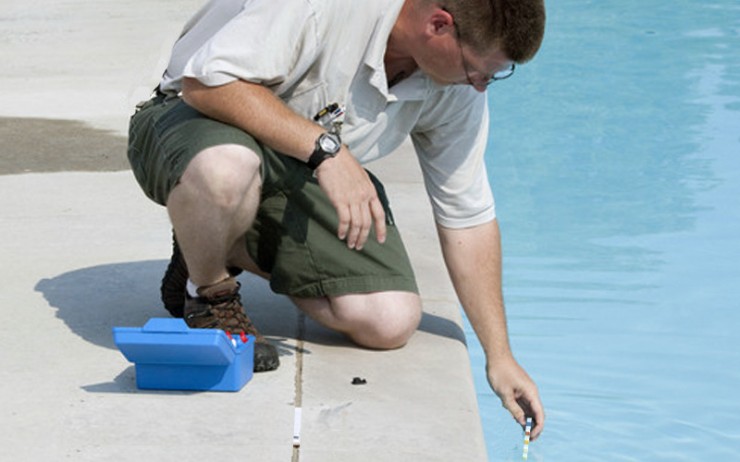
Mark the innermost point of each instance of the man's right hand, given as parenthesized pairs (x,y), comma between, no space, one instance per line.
(354,197)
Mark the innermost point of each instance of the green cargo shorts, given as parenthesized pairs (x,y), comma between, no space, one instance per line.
(293,237)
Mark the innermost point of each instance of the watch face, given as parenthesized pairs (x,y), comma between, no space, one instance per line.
(329,143)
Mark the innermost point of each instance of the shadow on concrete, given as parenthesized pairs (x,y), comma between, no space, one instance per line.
(443,327)
(125,383)
(91,301)
(49,145)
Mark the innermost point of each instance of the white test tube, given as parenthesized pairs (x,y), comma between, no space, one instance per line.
(297,428)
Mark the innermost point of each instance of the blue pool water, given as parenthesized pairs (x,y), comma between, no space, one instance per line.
(615,160)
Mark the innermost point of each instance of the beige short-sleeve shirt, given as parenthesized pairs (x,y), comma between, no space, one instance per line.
(312,53)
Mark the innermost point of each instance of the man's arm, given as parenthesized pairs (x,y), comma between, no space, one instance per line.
(473,258)
(256,110)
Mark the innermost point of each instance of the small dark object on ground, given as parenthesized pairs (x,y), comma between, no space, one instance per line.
(358,381)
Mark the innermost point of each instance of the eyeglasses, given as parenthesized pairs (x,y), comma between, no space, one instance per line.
(486,80)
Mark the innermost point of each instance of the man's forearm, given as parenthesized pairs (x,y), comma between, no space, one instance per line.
(257,111)
(473,258)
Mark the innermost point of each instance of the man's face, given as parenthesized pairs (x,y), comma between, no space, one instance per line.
(454,63)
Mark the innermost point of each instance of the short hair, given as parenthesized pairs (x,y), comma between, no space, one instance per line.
(516,26)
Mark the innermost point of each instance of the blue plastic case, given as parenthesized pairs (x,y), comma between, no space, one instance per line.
(171,356)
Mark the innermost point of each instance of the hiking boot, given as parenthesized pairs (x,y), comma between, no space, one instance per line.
(175,281)
(219,306)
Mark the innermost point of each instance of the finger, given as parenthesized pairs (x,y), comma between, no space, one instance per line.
(378,217)
(538,416)
(532,406)
(536,429)
(367,222)
(344,217)
(355,226)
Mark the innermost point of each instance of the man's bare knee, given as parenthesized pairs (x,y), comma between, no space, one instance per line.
(380,320)
(224,174)
(385,338)
(388,326)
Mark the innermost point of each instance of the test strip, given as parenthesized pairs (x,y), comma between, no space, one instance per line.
(527,431)
(297,428)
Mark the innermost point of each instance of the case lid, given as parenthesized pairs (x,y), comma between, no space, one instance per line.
(171,341)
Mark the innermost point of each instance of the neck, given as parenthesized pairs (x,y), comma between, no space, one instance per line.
(398,69)
(398,59)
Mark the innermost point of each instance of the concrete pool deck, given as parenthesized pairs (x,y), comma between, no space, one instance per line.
(83,251)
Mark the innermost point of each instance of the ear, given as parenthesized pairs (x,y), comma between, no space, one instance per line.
(440,21)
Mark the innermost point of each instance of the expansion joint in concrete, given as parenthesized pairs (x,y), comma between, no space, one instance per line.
(300,334)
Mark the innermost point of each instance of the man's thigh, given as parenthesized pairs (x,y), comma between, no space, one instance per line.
(166,135)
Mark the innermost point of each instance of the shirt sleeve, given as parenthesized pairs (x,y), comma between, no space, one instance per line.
(267,42)
(450,142)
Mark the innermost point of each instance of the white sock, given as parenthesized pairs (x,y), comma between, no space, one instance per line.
(192,289)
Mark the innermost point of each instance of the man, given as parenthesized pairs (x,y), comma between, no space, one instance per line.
(255,139)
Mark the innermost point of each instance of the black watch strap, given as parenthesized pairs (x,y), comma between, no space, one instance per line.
(327,146)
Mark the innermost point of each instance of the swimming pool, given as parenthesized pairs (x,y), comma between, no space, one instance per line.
(615,161)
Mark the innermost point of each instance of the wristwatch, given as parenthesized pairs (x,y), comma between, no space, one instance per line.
(327,146)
